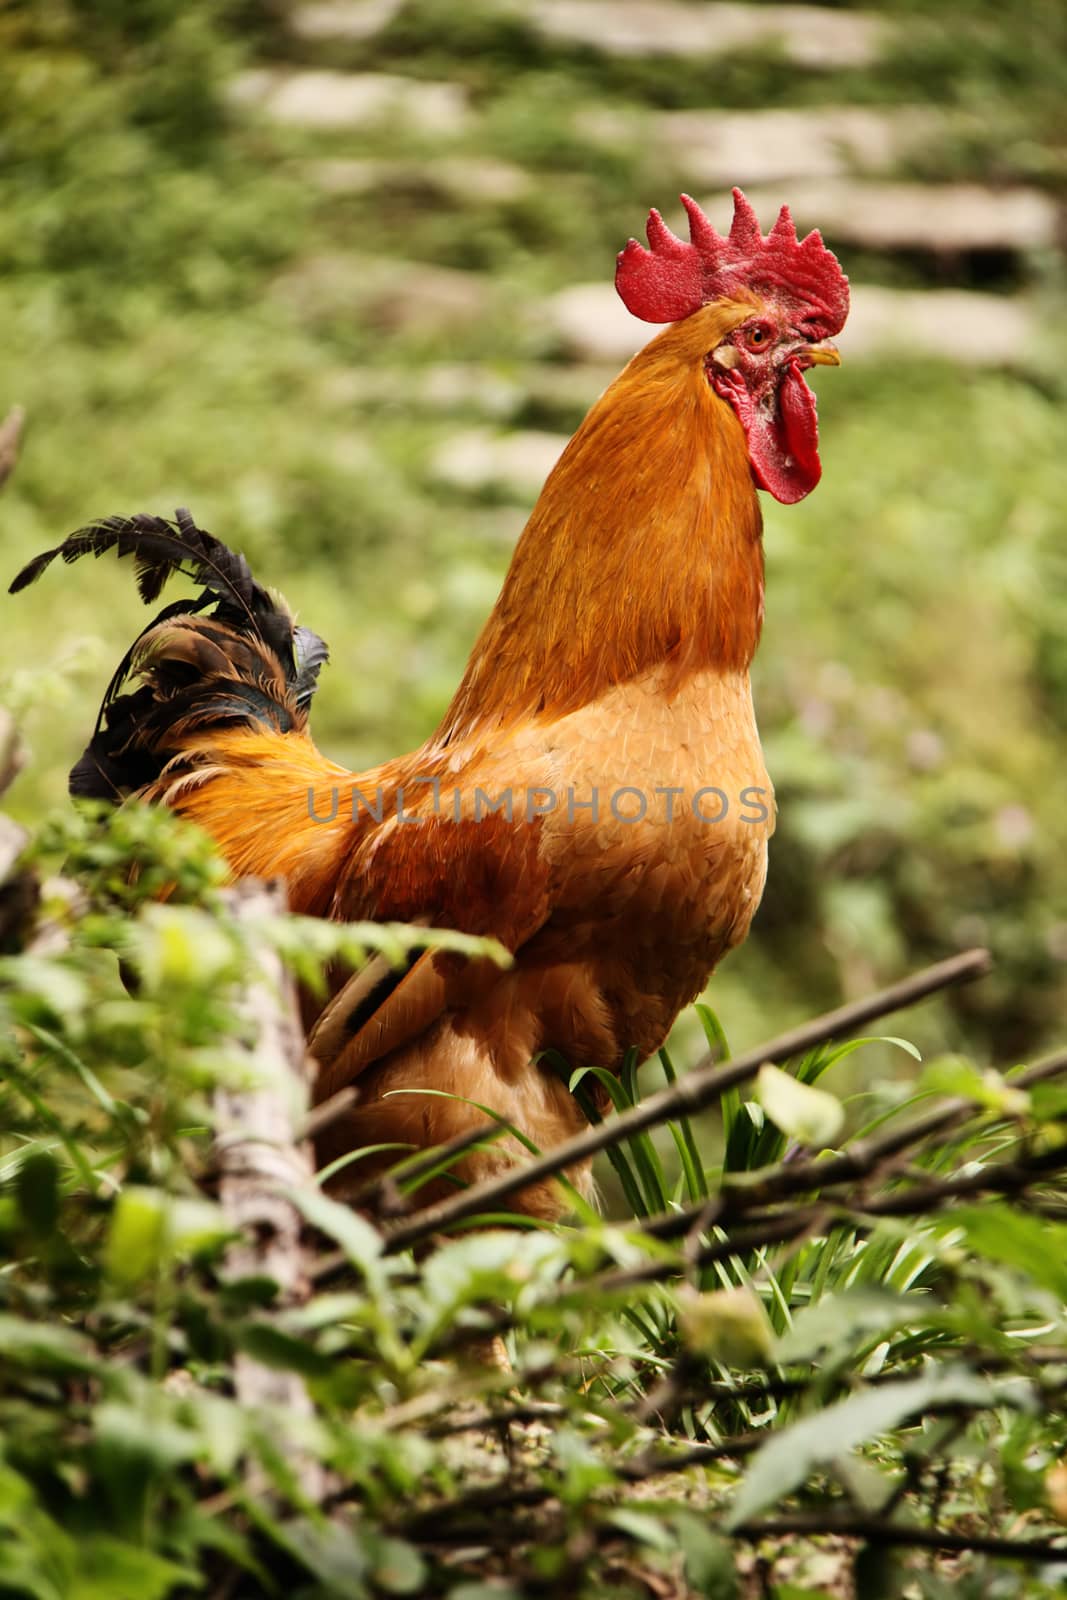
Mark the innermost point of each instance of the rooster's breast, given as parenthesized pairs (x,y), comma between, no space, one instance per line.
(657,842)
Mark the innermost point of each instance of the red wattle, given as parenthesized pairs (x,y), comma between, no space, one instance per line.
(783,448)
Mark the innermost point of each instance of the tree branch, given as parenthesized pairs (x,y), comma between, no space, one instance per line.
(873,1531)
(855,1162)
(779,1226)
(464,1518)
(695,1092)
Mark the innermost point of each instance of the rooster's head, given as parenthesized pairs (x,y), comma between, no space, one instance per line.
(790,297)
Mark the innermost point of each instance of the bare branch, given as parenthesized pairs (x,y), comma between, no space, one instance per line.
(873,1531)
(464,1518)
(695,1092)
(855,1162)
(777,1226)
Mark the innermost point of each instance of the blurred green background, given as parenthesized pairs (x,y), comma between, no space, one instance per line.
(318,271)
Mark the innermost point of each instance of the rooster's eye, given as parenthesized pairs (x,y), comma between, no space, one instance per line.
(758,337)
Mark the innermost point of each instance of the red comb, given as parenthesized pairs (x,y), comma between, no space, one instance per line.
(672,279)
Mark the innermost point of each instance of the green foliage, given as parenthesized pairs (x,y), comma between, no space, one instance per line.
(866,1361)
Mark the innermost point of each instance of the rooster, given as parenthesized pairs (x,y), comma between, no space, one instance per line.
(595,797)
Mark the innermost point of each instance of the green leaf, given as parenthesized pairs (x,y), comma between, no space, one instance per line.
(839,1322)
(486,1591)
(110,1569)
(182,947)
(747,1145)
(583,1468)
(1029,1244)
(131,1440)
(44,990)
(149,1226)
(360,1241)
(878,1573)
(643,1527)
(952,1075)
(48,1345)
(788,1459)
(710,1564)
(482,1266)
(825,1056)
(275,1348)
(37,1192)
(221,1425)
(685,1140)
(727,1325)
(397,1567)
(617,1156)
(36,1556)
(334,1554)
(194,1225)
(868,1487)
(811,1116)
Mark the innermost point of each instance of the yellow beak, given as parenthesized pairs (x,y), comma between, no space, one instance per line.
(823,354)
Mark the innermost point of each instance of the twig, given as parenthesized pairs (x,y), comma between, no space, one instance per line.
(456,1520)
(786,1179)
(329,1111)
(873,1531)
(482,1421)
(11,756)
(459,1520)
(782,1226)
(415,1170)
(381,1193)
(757,1391)
(859,1160)
(778,1226)
(693,1093)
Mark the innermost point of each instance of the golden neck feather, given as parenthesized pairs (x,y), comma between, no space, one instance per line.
(643,549)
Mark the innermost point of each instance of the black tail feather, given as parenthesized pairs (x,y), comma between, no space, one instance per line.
(242,662)
(159,548)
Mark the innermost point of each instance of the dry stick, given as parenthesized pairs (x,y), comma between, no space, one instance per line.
(783,1226)
(260,1160)
(379,1191)
(12,838)
(751,1391)
(777,1227)
(859,1160)
(675,1394)
(695,1092)
(901,1533)
(754,1390)
(528,1529)
(427,1522)
(330,1111)
(997,1177)
(463,1519)
(417,1168)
